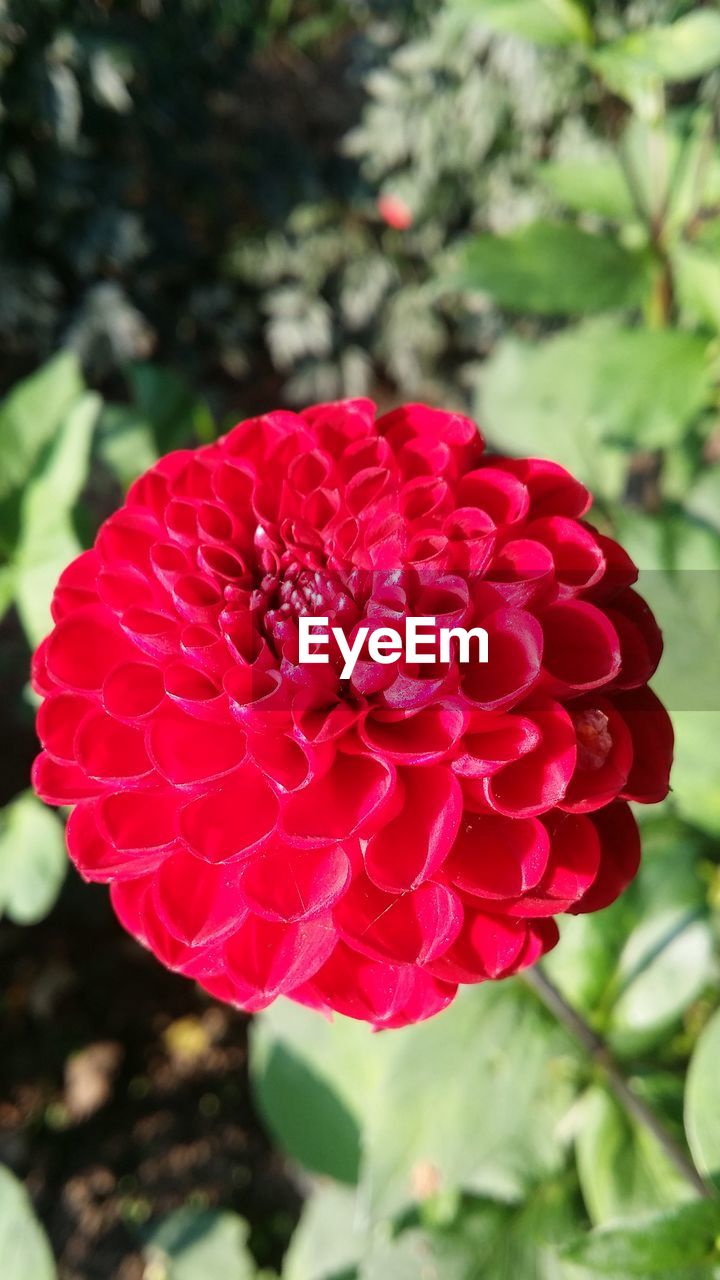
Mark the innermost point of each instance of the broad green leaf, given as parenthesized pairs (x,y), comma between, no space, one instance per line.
(486,1241)
(314,1082)
(695,783)
(199,1244)
(24,1248)
(584,395)
(583,963)
(697,281)
(555,269)
(331,1237)
(496,1130)
(679,51)
(546,399)
(126,442)
(656,382)
(667,963)
(545,22)
(592,184)
(622,1168)
(434,1256)
(676,1241)
(702,1114)
(32,859)
(31,414)
(47,539)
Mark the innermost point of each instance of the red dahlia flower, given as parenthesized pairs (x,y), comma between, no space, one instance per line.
(367,844)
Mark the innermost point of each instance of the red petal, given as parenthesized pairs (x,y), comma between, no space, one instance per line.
(411,847)
(230,822)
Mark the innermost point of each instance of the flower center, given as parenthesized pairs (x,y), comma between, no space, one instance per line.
(298,590)
(594,741)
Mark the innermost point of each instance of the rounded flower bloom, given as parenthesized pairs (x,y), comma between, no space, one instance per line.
(269,826)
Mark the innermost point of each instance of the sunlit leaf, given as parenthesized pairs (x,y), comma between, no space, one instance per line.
(314,1081)
(697,281)
(496,1130)
(31,414)
(655,1244)
(24,1249)
(667,963)
(592,184)
(702,1114)
(554,269)
(574,396)
(126,442)
(197,1244)
(32,859)
(47,539)
(622,1168)
(331,1237)
(678,51)
(545,22)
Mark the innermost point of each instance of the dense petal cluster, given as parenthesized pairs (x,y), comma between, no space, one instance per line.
(366,844)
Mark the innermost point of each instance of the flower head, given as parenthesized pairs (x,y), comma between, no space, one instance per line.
(365,844)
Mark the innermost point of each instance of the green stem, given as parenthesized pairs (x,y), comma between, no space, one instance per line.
(635,1106)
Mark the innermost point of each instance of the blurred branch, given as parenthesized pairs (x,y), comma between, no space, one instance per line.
(635,1106)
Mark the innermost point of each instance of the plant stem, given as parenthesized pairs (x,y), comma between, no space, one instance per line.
(598,1051)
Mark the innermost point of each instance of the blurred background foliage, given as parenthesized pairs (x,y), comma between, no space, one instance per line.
(508,206)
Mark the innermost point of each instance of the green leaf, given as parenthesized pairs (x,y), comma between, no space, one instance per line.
(7,589)
(679,51)
(436,1256)
(126,442)
(666,964)
(330,1238)
(47,539)
(581,396)
(313,1081)
(703,500)
(24,1248)
(657,382)
(667,956)
(696,792)
(555,269)
(486,1241)
(545,22)
(622,1168)
(702,1114)
(676,1241)
(32,859)
(592,184)
(495,1131)
(584,960)
(199,1244)
(31,414)
(165,400)
(697,281)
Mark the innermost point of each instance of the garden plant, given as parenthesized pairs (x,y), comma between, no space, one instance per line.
(357,311)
